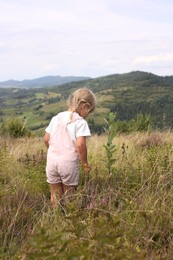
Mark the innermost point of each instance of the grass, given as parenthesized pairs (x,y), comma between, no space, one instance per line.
(46,96)
(126,214)
(55,107)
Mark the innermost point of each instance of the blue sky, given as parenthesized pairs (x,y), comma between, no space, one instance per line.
(85,38)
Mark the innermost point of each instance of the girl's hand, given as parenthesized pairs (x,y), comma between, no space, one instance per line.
(86,167)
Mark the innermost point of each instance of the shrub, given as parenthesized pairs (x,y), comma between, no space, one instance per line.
(142,123)
(15,128)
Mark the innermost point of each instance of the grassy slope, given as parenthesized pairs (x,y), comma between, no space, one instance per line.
(127,214)
(126,94)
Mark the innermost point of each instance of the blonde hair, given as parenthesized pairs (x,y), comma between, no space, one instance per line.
(81,95)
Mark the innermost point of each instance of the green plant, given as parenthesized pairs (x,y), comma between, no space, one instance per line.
(15,128)
(109,146)
(142,123)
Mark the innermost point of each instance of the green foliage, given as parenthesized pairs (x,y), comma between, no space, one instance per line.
(141,123)
(84,236)
(129,95)
(109,146)
(15,128)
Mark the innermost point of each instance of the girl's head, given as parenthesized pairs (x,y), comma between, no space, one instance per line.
(82,101)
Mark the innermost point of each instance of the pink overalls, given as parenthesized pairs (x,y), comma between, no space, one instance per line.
(62,158)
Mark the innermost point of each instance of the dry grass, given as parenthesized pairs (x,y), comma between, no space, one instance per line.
(134,203)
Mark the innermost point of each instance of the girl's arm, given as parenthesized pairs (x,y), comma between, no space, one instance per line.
(82,151)
(46,139)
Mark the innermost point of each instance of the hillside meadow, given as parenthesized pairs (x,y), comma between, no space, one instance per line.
(125,213)
(127,95)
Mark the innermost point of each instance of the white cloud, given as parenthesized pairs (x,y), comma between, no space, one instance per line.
(159,60)
(84,37)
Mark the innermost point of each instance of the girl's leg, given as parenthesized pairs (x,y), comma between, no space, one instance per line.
(54,190)
(68,192)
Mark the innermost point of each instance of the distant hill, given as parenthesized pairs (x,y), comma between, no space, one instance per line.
(47,81)
(138,79)
(125,94)
(131,93)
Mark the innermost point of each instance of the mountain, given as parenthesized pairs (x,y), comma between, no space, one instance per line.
(40,82)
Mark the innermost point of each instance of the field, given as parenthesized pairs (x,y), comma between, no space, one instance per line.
(36,107)
(122,212)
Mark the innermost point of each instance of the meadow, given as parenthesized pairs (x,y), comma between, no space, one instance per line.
(120,212)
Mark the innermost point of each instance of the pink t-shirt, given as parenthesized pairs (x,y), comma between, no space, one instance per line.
(63,134)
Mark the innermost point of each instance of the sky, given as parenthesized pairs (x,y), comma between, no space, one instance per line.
(85,37)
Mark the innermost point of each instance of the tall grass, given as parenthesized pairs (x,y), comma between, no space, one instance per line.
(127,215)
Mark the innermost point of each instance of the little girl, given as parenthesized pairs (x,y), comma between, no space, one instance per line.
(65,138)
